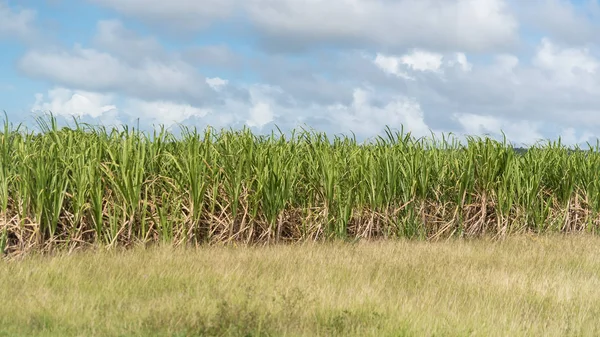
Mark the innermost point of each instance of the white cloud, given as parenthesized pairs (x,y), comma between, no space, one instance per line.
(16,23)
(78,103)
(260,115)
(422,67)
(163,112)
(557,86)
(216,83)
(469,25)
(568,66)
(420,61)
(367,120)
(94,70)
(461,61)
(521,132)
(391,65)
(569,137)
(261,100)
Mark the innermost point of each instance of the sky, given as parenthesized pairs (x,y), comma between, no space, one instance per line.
(528,69)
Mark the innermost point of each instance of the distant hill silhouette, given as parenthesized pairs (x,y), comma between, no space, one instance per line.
(523,150)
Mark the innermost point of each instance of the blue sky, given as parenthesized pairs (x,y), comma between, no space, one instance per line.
(530,69)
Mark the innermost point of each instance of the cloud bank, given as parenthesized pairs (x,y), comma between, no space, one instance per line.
(530,70)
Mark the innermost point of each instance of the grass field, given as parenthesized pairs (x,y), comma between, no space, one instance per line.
(524,286)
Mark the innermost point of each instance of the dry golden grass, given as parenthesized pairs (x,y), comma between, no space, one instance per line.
(524,286)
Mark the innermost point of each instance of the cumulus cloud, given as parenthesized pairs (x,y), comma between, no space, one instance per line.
(569,137)
(365,119)
(430,91)
(522,132)
(519,132)
(423,61)
(162,112)
(94,70)
(65,102)
(77,103)
(216,83)
(261,100)
(121,61)
(471,25)
(444,65)
(559,85)
(292,25)
(568,66)
(260,115)
(420,61)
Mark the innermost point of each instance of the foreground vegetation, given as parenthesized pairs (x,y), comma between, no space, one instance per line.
(92,186)
(522,286)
